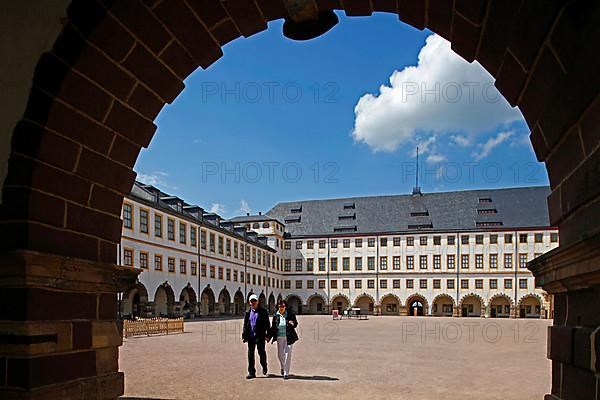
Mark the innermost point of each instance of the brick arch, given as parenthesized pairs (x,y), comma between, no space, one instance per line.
(95,95)
(530,295)
(473,295)
(419,297)
(443,295)
(501,295)
(391,295)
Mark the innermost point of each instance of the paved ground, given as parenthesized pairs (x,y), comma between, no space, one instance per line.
(382,358)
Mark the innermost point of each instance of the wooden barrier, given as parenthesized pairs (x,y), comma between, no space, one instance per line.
(152,326)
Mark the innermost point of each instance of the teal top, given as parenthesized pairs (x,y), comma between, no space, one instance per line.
(282,332)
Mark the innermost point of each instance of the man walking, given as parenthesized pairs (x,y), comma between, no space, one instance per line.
(255,333)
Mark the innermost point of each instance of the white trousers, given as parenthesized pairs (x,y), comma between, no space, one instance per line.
(284,353)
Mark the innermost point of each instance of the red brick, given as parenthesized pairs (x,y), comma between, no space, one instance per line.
(540,87)
(142,23)
(36,142)
(473,10)
(35,372)
(189,31)
(145,102)
(24,172)
(582,349)
(272,9)
(104,34)
(246,16)
(124,151)
(539,143)
(565,157)
(390,6)
(578,383)
(465,38)
(25,204)
(91,222)
(574,31)
(325,5)
(511,79)
(106,200)
(580,224)
(225,32)
(439,18)
(582,186)
(107,306)
(178,59)
(560,344)
(530,29)
(357,7)
(210,12)
(108,252)
(554,207)
(413,12)
(105,171)
(495,38)
(82,335)
(590,126)
(131,125)
(153,73)
(56,78)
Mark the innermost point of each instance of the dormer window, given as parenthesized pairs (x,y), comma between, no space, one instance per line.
(487,211)
(485,200)
(349,206)
(419,214)
(296,210)
(347,217)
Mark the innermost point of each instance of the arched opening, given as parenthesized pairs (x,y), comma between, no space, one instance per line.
(294,303)
(188,302)
(530,306)
(238,303)
(365,303)
(390,305)
(207,302)
(316,305)
(262,300)
(416,306)
(340,303)
(500,306)
(547,76)
(224,302)
(443,306)
(471,305)
(134,302)
(164,301)
(271,304)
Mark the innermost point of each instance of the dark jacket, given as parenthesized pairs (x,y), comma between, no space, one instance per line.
(262,325)
(290,330)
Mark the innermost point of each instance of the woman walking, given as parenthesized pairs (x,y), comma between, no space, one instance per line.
(283,329)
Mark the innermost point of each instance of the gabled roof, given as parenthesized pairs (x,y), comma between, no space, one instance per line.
(524,207)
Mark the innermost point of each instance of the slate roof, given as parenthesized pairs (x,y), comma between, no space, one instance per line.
(524,207)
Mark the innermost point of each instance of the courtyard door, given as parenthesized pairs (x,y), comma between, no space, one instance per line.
(416,308)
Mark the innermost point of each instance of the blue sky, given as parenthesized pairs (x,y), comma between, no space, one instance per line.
(277,120)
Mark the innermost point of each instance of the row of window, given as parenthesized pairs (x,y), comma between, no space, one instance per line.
(423,260)
(409,283)
(423,240)
(216,243)
(212,271)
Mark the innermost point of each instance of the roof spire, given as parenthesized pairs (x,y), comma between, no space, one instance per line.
(417,189)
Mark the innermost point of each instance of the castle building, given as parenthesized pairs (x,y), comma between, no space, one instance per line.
(460,253)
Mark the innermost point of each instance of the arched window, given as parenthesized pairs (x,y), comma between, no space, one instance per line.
(265,224)
(255,225)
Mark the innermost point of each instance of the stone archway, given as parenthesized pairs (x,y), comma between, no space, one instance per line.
(207,302)
(471,305)
(262,300)
(188,302)
(271,304)
(135,301)
(316,304)
(365,302)
(530,306)
(224,302)
(164,301)
(238,303)
(500,306)
(390,304)
(442,305)
(115,64)
(294,303)
(340,302)
(416,305)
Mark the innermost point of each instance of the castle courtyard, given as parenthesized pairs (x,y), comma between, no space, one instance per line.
(381,358)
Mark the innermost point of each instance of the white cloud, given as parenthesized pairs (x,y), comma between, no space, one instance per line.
(156,178)
(217,208)
(435,158)
(460,140)
(486,148)
(442,94)
(244,207)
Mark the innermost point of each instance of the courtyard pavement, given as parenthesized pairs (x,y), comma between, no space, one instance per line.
(381,358)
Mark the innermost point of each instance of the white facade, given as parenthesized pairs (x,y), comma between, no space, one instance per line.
(194,265)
